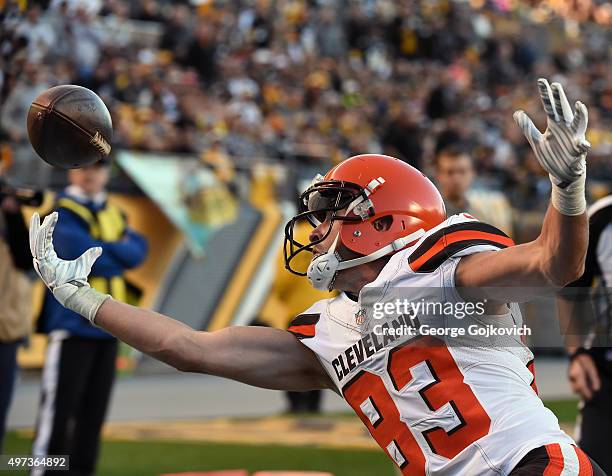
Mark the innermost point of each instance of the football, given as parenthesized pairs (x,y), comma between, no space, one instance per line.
(70,127)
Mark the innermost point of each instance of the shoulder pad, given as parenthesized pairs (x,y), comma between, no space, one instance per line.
(303,325)
(460,235)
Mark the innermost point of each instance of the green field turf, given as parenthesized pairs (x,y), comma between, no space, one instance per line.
(149,459)
(153,458)
(566,410)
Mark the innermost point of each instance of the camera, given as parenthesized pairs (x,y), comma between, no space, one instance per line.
(24,196)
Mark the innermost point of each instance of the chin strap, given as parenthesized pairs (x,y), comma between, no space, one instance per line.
(396,245)
(322,270)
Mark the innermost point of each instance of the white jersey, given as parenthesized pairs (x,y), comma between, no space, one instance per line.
(453,403)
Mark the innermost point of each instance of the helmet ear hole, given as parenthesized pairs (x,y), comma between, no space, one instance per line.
(383,223)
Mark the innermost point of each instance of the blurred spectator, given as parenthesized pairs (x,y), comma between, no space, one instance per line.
(26,166)
(455,176)
(201,52)
(15,108)
(318,81)
(256,23)
(402,138)
(330,33)
(87,41)
(176,33)
(80,364)
(117,24)
(92,7)
(443,99)
(15,295)
(39,35)
(149,10)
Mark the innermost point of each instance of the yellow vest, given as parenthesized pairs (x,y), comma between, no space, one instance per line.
(107,224)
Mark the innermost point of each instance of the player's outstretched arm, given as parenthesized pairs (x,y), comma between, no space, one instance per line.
(557,256)
(263,357)
(259,356)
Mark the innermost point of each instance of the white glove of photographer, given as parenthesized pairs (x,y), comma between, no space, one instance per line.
(563,147)
(67,280)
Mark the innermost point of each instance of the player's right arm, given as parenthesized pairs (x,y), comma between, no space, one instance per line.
(263,357)
(259,356)
(556,257)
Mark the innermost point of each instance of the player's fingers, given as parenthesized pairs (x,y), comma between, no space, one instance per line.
(581,119)
(39,243)
(591,373)
(530,131)
(91,255)
(584,145)
(37,269)
(577,378)
(547,99)
(35,221)
(34,229)
(562,105)
(88,258)
(585,392)
(47,232)
(579,383)
(578,167)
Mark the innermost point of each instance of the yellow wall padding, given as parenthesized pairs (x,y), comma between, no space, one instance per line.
(291,294)
(146,218)
(250,262)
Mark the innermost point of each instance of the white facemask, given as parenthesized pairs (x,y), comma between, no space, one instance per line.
(322,270)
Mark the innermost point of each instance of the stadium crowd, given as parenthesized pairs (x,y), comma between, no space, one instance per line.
(309,83)
(239,81)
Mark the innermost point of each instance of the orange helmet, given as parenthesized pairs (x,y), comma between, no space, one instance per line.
(358,192)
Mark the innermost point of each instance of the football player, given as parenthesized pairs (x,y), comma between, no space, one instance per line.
(435,405)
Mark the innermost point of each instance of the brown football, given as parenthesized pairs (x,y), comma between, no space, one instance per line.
(70,127)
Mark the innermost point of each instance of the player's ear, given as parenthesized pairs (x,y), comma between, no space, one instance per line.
(383,223)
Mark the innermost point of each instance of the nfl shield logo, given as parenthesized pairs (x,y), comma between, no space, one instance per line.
(360,316)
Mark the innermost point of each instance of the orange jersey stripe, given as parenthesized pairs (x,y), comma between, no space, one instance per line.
(307,330)
(463,235)
(555,465)
(531,368)
(586,469)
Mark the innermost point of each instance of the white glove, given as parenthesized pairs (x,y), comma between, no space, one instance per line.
(67,280)
(563,147)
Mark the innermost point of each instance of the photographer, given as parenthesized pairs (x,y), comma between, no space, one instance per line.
(15,292)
